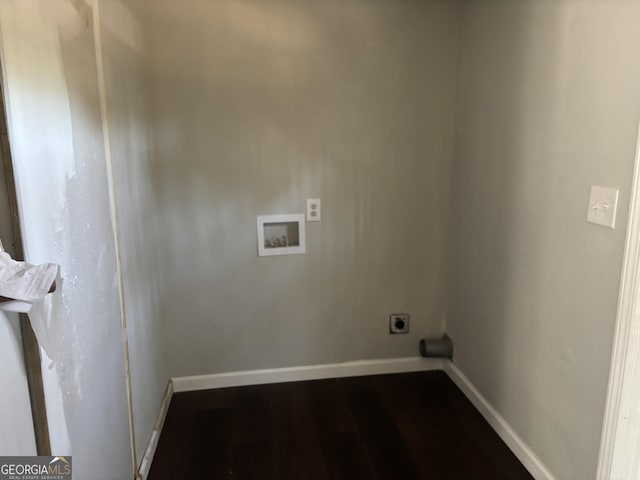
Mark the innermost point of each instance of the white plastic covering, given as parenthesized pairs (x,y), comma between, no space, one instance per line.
(21,281)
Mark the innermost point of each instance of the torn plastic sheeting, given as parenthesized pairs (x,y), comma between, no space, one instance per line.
(25,282)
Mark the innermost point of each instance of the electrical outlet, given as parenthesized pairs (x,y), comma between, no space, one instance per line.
(314,210)
(398,323)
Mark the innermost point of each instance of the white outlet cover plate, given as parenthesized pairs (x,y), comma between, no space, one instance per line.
(603,206)
(314,210)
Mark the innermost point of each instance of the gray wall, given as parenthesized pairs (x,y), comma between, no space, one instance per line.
(548,105)
(257,106)
(124,49)
(221,111)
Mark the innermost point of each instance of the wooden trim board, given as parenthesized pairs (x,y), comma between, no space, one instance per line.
(150,451)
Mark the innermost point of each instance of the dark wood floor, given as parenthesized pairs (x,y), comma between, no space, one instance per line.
(396,427)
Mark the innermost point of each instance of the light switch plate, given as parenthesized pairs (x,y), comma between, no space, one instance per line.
(603,206)
(314,210)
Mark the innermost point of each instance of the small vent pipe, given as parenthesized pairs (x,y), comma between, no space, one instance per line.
(437,347)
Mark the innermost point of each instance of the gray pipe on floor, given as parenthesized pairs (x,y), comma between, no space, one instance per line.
(437,347)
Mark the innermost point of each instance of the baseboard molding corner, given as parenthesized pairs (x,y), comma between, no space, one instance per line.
(520,449)
(309,372)
(348,369)
(149,452)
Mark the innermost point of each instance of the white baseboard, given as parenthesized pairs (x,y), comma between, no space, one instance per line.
(145,464)
(311,372)
(519,448)
(351,369)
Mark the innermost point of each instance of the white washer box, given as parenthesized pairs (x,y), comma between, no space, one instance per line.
(281,234)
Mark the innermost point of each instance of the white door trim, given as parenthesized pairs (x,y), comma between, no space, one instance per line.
(619,455)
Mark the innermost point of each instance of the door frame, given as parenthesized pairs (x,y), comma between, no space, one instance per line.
(30,345)
(621,426)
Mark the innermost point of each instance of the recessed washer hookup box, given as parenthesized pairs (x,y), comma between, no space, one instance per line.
(281,234)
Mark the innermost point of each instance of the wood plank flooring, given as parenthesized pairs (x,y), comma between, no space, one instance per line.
(396,427)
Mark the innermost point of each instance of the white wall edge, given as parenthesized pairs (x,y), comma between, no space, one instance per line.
(310,372)
(150,451)
(620,422)
(519,448)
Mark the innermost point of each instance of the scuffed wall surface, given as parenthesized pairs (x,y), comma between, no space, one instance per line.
(58,152)
(548,105)
(139,229)
(257,106)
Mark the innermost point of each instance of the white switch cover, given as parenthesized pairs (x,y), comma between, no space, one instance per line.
(314,210)
(603,204)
